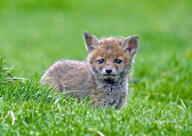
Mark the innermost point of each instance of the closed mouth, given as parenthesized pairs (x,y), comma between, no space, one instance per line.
(109,75)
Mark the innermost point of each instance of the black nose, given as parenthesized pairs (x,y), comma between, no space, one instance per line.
(108,70)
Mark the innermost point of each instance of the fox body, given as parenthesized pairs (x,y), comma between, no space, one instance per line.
(103,77)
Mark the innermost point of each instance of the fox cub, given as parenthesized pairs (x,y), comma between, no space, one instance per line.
(103,77)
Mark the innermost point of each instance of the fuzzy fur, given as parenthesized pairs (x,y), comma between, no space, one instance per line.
(89,78)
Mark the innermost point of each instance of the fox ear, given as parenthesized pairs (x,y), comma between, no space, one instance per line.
(91,41)
(130,44)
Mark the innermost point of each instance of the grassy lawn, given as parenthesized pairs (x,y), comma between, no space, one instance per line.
(36,33)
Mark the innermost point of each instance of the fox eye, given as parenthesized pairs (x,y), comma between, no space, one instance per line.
(100,61)
(118,61)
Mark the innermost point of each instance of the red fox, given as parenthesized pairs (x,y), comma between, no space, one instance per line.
(103,77)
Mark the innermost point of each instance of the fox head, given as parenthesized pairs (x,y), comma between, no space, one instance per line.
(110,58)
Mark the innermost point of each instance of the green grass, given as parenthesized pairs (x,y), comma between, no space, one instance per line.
(36,33)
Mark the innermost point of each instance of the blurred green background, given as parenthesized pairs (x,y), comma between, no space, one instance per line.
(36,33)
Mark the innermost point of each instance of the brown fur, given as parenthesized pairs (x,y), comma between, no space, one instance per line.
(89,78)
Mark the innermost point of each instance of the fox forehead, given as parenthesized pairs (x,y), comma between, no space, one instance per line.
(110,48)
